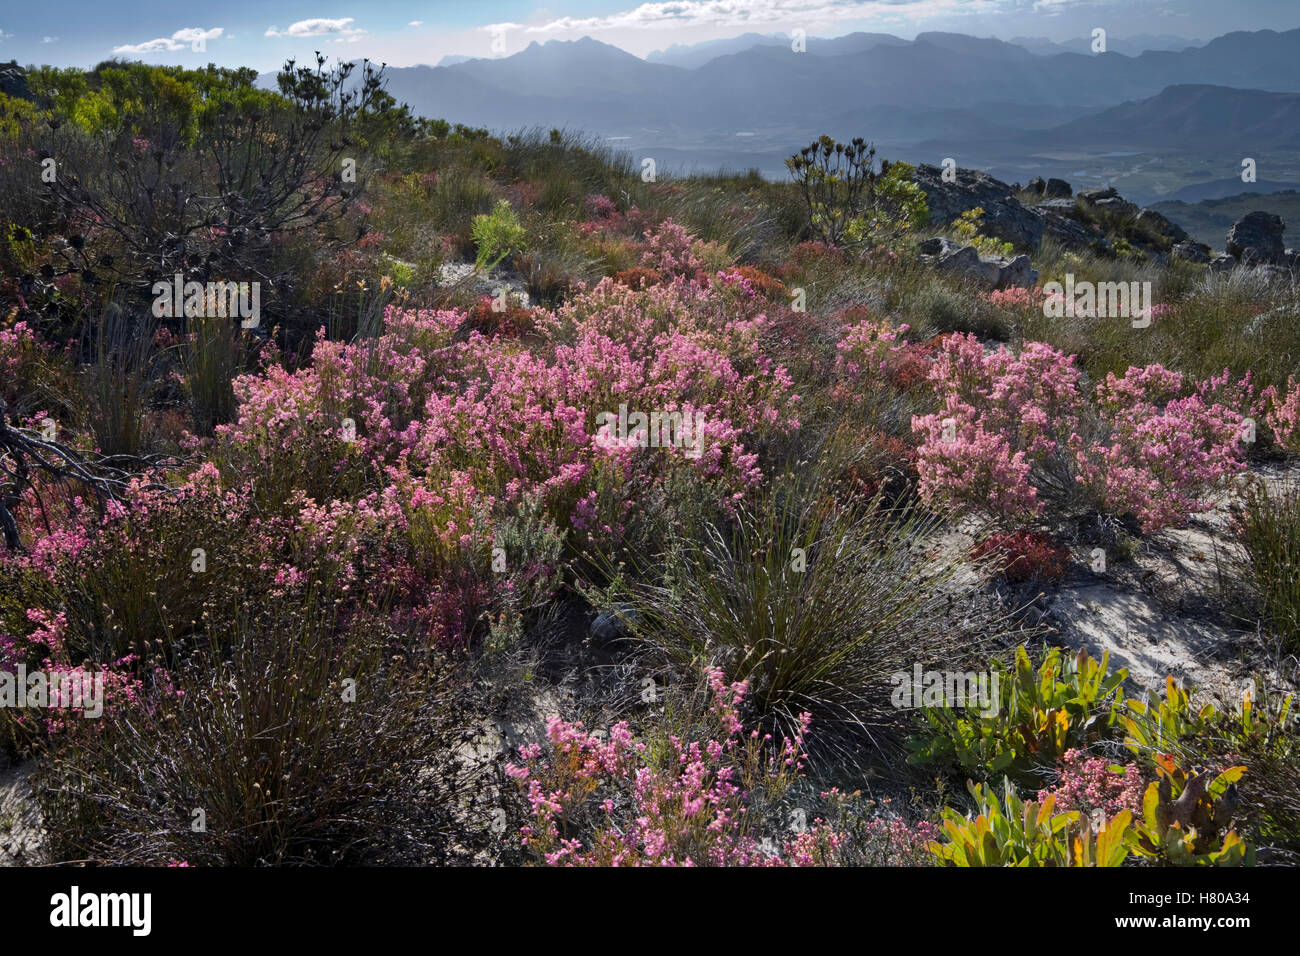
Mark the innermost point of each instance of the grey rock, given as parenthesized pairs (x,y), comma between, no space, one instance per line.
(614,625)
(21,830)
(1017,272)
(13,80)
(1070,233)
(1191,251)
(1223,263)
(1256,239)
(998,272)
(1161,226)
(1058,189)
(1036,185)
(1117,205)
(1061,207)
(1005,217)
(1274,273)
(937,246)
(1097,195)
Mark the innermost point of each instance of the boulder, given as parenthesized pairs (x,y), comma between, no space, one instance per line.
(1058,189)
(998,272)
(937,246)
(1018,271)
(1191,251)
(1223,263)
(1062,207)
(1271,272)
(1036,186)
(613,625)
(1005,217)
(1097,195)
(13,80)
(1158,224)
(1070,233)
(1117,205)
(1256,239)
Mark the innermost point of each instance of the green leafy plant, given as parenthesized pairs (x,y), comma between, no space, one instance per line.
(1011,832)
(967,228)
(1162,724)
(497,235)
(1185,818)
(849,200)
(1042,712)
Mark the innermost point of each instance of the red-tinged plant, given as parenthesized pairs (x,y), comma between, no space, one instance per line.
(638,277)
(764,285)
(1283,415)
(1024,556)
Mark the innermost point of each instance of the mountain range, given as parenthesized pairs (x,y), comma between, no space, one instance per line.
(1156,122)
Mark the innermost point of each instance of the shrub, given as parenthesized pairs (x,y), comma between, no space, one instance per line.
(297,745)
(1094,784)
(1014,432)
(1186,818)
(814,606)
(1284,414)
(849,201)
(1042,713)
(682,801)
(497,235)
(1024,556)
(1268,529)
(1010,832)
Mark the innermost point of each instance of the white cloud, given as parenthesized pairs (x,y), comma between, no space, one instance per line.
(319,27)
(416,23)
(49,39)
(675,14)
(177,41)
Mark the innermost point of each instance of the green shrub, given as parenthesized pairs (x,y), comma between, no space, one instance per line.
(1010,832)
(497,235)
(1268,529)
(816,605)
(1065,703)
(285,743)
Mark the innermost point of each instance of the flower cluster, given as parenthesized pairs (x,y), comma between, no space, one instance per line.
(612,802)
(1016,426)
(1092,783)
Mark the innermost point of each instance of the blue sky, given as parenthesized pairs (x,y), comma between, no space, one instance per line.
(406,32)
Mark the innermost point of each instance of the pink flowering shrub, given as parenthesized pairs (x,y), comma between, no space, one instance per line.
(22,356)
(1283,415)
(1088,784)
(1015,428)
(1016,297)
(501,421)
(615,801)
(1165,452)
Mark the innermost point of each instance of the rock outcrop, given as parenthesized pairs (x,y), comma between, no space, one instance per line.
(1005,217)
(998,272)
(1256,239)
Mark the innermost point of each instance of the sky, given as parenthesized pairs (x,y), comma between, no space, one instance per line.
(264,34)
